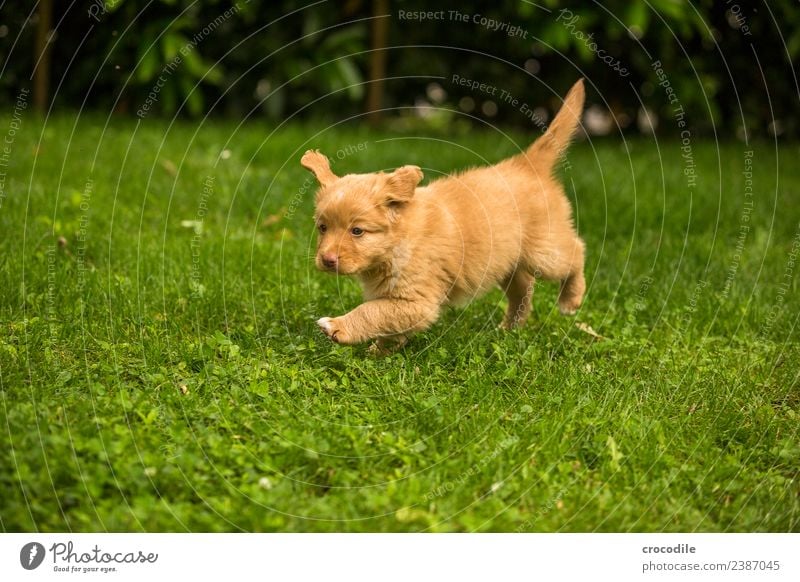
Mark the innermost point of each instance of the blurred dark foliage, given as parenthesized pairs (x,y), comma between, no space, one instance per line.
(729,63)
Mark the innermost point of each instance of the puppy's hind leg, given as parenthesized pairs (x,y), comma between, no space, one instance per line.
(573,285)
(519,290)
(383,346)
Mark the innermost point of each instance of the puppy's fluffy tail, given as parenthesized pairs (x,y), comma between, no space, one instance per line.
(546,150)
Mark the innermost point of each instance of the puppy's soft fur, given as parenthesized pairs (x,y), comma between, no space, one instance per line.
(416,249)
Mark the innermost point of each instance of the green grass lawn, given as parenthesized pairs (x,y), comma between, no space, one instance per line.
(160,368)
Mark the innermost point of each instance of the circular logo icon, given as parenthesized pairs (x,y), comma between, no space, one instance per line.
(31,555)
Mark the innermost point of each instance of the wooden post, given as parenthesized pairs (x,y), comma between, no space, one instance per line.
(41,56)
(379,29)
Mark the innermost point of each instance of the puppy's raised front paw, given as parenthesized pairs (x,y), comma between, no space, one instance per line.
(332,327)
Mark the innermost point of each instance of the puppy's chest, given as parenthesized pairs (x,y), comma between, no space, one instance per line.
(423,281)
(386,285)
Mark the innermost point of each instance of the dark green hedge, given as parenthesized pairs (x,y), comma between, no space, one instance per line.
(726,63)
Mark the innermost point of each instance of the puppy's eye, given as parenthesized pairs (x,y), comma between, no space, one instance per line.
(322,228)
(355,231)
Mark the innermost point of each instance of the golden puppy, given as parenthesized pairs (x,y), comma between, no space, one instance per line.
(416,249)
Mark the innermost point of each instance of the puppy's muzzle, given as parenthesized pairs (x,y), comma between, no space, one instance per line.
(330,261)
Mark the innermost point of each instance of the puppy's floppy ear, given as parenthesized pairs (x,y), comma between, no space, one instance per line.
(401,183)
(318,165)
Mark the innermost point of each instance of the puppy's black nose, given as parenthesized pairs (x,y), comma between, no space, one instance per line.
(329,260)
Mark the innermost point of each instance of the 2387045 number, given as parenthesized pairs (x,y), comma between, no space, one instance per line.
(749,565)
